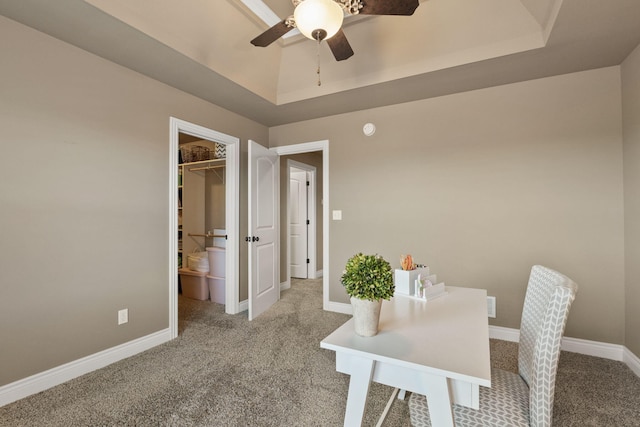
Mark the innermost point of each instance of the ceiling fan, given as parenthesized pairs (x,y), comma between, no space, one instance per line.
(322,20)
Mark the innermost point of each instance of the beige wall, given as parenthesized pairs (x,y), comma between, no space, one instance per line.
(482,185)
(631,131)
(84,177)
(311,159)
(478,185)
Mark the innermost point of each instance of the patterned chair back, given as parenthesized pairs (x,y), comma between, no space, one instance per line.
(544,316)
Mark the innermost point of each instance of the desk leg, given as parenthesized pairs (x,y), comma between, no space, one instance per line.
(439,401)
(361,372)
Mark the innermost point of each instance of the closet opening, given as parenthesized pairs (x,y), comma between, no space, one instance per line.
(202,231)
(204,204)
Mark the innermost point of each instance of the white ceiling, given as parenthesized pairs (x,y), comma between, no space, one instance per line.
(447,46)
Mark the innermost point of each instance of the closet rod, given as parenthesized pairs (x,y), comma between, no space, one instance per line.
(207,235)
(206,168)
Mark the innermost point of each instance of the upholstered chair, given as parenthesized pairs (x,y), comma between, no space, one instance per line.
(525,398)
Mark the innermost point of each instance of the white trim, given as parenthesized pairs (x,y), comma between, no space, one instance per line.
(243,306)
(504,334)
(339,307)
(36,383)
(262,11)
(631,360)
(593,348)
(306,148)
(174,125)
(232,225)
(577,345)
(232,214)
(268,16)
(285,285)
(60,374)
(319,274)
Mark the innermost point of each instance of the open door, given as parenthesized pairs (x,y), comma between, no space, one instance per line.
(264,219)
(298,223)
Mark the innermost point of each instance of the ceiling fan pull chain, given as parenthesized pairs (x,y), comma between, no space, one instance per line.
(318,56)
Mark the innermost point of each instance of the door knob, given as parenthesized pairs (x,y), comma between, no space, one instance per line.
(255,239)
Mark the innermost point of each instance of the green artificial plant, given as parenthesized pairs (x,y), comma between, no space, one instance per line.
(368,277)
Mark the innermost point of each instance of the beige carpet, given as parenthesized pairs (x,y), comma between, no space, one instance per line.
(223,370)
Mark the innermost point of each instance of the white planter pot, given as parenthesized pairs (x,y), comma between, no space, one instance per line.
(366,315)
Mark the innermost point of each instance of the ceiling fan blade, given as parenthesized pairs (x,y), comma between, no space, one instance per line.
(339,46)
(389,7)
(272,34)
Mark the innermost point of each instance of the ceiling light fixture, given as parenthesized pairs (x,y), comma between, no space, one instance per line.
(322,20)
(318,19)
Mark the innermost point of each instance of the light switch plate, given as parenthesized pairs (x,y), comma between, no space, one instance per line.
(123,316)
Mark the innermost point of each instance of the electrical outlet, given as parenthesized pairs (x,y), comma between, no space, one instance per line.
(491,307)
(123,316)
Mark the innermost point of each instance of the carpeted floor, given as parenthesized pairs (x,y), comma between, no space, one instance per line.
(223,370)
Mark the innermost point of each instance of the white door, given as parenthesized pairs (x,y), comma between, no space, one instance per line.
(298,223)
(264,259)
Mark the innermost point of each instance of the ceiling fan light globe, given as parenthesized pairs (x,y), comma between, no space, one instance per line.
(313,15)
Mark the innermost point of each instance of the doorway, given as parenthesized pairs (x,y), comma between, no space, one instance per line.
(302,221)
(323,148)
(232,203)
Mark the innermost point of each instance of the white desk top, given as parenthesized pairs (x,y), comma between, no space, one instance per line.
(448,335)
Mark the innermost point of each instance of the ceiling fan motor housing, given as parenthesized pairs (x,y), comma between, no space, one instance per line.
(319,34)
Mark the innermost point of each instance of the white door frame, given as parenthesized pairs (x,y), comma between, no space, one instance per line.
(232,214)
(311,213)
(309,147)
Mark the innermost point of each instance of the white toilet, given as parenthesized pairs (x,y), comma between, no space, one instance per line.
(217,263)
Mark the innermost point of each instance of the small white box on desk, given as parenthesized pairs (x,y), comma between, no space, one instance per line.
(433,292)
(405,280)
(430,292)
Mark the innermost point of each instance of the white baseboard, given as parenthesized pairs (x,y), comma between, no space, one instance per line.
(58,375)
(577,345)
(285,285)
(55,376)
(631,360)
(504,334)
(243,306)
(315,275)
(593,348)
(338,307)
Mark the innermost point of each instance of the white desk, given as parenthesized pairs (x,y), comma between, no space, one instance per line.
(438,348)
